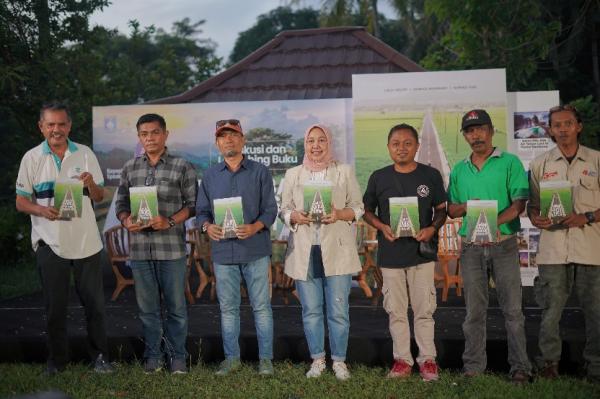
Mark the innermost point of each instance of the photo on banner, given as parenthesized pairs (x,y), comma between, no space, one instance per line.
(432,102)
(529,127)
(528,137)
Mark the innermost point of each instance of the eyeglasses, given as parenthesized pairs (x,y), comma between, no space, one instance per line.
(224,122)
(150,178)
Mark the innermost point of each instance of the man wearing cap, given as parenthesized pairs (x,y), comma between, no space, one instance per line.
(246,255)
(569,252)
(64,247)
(490,174)
(158,251)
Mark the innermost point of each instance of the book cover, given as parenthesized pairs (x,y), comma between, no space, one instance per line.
(144,204)
(404,216)
(68,195)
(317,199)
(556,200)
(482,221)
(229,214)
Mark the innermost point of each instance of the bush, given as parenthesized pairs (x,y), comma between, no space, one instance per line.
(15,236)
(590,115)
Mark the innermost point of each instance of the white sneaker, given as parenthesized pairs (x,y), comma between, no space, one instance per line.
(316,368)
(341,371)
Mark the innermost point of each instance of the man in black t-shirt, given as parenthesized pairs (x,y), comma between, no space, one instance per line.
(405,272)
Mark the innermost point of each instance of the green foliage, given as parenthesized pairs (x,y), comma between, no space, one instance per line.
(48,52)
(129,381)
(19,279)
(268,25)
(265,134)
(590,116)
(15,233)
(492,34)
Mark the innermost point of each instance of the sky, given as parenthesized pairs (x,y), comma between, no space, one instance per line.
(224,18)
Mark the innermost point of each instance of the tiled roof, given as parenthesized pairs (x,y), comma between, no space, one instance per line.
(300,64)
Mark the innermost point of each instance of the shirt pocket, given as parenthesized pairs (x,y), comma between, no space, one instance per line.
(589,193)
(168,191)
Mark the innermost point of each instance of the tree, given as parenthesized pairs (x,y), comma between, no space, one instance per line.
(269,25)
(485,34)
(48,52)
(31,32)
(345,12)
(266,134)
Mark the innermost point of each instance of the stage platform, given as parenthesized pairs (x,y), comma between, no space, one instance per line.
(22,331)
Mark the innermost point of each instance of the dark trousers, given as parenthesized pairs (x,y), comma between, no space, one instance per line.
(55,274)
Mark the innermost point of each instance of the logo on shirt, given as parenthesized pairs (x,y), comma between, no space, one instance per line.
(591,173)
(423,191)
(548,175)
(472,115)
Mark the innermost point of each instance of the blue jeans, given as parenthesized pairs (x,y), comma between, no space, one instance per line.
(154,278)
(502,262)
(229,278)
(336,290)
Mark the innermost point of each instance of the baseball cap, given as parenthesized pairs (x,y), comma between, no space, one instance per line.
(228,124)
(475,117)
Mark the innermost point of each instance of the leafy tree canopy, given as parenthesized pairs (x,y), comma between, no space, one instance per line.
(268,25)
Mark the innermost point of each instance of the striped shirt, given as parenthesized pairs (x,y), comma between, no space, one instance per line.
(79,237)
(177,187)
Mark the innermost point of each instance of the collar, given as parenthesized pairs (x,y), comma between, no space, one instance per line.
(163,157)
(71,147)
(582,153)
(244,164)
(497,153)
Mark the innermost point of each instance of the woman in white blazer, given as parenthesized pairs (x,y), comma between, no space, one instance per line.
(322,256)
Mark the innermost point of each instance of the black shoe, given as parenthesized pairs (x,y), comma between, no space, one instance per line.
(101,366)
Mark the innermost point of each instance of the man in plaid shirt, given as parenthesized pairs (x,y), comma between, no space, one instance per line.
(157,250)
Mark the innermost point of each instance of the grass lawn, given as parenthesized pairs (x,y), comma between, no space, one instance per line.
(129,381)
(18,280)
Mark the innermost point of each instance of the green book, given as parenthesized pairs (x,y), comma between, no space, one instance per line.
(317,199)
(229,214)
(556,200)
(404,216)
(482,221)
(144,204)
(68,195)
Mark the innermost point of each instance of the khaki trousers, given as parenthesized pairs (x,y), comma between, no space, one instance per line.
(415,283)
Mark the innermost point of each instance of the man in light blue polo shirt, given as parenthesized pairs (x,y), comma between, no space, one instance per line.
(490,174)
(63,246)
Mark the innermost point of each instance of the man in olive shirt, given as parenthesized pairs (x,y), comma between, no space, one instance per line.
(569,253)
(490,174)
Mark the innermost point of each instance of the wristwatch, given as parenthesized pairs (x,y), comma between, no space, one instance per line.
(171,221)
(591,218)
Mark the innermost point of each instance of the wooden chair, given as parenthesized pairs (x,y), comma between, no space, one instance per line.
(366,242)
(281,283)
(117,246)
(200,257)
(449,250)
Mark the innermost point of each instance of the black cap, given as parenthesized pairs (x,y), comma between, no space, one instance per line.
(475,117)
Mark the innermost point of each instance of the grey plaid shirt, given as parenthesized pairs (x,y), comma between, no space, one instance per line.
(177,186)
